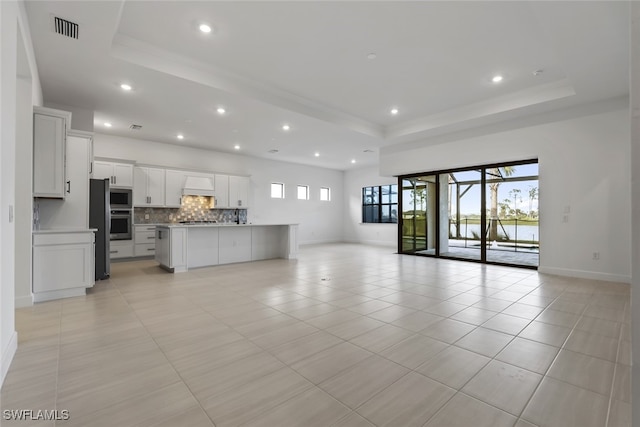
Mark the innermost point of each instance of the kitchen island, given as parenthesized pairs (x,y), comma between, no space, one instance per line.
(180,247)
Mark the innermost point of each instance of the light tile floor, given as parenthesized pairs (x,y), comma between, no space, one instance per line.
(347,335)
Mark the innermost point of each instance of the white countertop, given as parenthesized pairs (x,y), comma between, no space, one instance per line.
(222,224)
(65,230)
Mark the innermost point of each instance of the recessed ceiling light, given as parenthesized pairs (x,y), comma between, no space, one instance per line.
(394,111)
(372,55)
(221,110)
(538,72)
(353,160)
(286,127)
(107,125)
(317,154)
(273,151)
(180,136)
(496,79)
(205,28)
(237,147)
(125,86)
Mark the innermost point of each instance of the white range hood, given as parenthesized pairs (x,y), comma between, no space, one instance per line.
(198,186)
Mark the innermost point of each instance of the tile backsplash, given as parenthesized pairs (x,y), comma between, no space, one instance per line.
(194,208)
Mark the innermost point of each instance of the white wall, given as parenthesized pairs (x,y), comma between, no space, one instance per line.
(583,165)
(319,221)
(354,230)
(81,118)
(16,58)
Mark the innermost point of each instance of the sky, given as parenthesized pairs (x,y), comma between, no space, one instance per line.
(470,202)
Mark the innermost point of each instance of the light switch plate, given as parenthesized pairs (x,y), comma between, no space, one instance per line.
(10,213)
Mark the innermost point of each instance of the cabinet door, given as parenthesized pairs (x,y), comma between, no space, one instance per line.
(163,247)
(155,186)
(74,212)
(140,186)
(123,175)
(103,170)
(238,191)
(49,156)
(222,191)
(174,183)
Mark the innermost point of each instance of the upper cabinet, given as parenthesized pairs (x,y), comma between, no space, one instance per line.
(49,152)
(120,175)
(222,191)
(238,191)
(148,187)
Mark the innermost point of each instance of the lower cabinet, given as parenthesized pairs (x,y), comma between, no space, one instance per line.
(63,264)
(144,240)
(121,249)
(171,248)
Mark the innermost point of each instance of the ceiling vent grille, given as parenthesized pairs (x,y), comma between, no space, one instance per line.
(65,28)
(135,127)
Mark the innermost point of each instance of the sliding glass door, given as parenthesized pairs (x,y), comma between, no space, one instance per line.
(486,213)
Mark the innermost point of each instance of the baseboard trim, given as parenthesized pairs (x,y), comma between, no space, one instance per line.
(26,301)
(583,274)
(7,356)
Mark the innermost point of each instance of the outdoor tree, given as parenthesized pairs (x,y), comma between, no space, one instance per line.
(533,195)
(515,193)
(495,178)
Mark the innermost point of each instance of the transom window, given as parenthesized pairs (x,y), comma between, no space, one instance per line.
(277,190)
(325,194)
(303,192)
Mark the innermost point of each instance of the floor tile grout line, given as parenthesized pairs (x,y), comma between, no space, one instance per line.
(615,371)
(168,360)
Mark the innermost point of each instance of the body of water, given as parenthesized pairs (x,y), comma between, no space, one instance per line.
(525,232)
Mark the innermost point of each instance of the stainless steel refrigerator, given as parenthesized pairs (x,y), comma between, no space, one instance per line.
(99,218)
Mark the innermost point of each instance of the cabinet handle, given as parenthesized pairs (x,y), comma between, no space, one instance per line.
(151,237)
(115,179)
(69,187)
(151,249)
(113,252)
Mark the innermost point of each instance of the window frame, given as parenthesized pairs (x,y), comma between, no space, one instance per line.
(282,189)
(306,189)
(328,199)
(378,205)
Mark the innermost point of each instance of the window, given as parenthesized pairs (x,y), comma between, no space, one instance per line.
(325,194)
(380,204)
(277,190)
(303,192)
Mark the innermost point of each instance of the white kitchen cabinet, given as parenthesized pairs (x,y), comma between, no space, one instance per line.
(171,248)
(120,175)
(49,151)
(238,191)
(174,183)
(73,211)
(121,249)
(63,264)
(148,187)
(202,247)
(144,237)
(222,191)
(234,244)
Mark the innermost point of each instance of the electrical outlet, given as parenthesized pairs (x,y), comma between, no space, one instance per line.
(596,256)
(565,218)
(146,216)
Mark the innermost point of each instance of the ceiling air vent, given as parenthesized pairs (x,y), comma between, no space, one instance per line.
(65,28)
(135,127)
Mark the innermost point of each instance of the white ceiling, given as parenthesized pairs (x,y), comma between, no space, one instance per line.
(305,63)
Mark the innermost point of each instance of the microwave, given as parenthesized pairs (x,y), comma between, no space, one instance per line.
(120,198)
